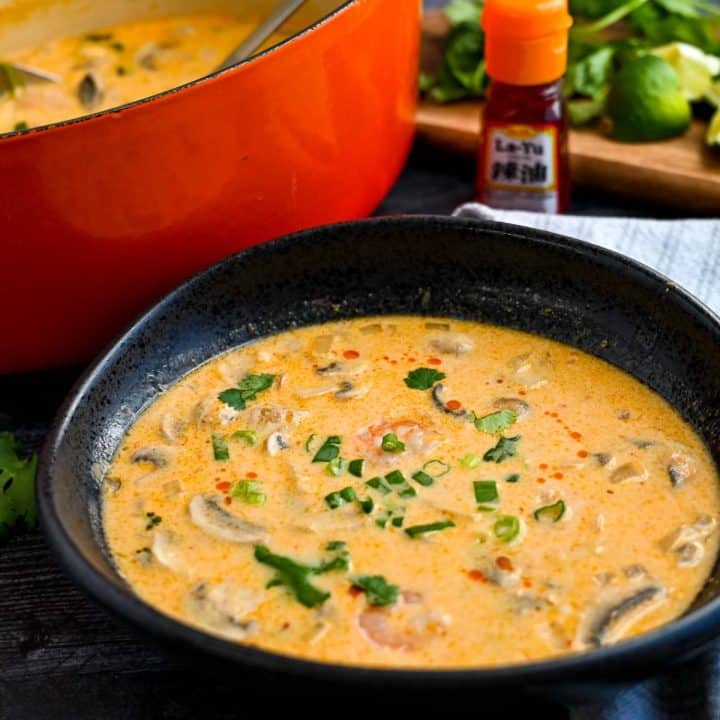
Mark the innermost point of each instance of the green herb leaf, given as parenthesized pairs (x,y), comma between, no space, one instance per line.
(464,11)
(295,576)
(550,513)
(486,491)
(423,378)
(246,391)
(494,423)
(356,467)
(309,442)
(334,500)
(19,126)
(336,467)
(336,545)
(11,80)
(378,590)
(419,530)
(348,494)
(329,450)
(507,528)
(249,492)
(392,444)
(512,478)
(367,505)
(17,488)
(220,448)
(249,437)
(505,449)
(395,477)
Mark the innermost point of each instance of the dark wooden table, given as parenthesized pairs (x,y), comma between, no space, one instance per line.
(61,656)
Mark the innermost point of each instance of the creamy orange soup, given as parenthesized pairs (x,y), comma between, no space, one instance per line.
(117,65)
(409,492)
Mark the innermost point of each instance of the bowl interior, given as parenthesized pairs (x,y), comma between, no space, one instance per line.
(537,282)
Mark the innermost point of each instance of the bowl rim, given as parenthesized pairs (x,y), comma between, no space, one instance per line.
(673,641)
(215,74)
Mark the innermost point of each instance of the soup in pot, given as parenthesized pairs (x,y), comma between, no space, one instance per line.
(413,492)
(117,65)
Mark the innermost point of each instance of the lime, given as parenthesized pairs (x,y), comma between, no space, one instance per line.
(713,134)
(695,69)
(646,102)
(712,94)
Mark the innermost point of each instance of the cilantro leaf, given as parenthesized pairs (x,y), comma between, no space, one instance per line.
(423,378)
(378,590)
(464,11)
(296,576)
(17,488)
(248,389)
(505,448)
(494,423)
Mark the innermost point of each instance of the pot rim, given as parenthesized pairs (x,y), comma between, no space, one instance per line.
(673,641)
(122,109)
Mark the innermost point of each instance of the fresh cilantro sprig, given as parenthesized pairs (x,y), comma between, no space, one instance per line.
(378,590)
(247,390)
(423,378)
(17,488)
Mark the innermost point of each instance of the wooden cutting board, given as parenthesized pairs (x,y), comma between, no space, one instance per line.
(682,172)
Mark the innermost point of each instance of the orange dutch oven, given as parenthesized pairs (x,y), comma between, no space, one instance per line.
(101,215)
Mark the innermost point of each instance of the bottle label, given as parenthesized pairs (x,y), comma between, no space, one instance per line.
(521,171)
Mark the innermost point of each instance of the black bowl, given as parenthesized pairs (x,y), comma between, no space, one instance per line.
(564,289)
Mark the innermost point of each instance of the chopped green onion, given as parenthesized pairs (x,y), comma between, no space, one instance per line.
(506,528)
(356,467)
(436,468)
(367,505)
(550,513)
(249,437)
(407,492)
(377,589)
(309,442)
(329,450)
(348,494)
(486,508)
(471,461)
(392,444)
(377,483)
(422,478)
(336,545)
(152,520)
(381,522)
(486,491)
(420,530)
(334,500)
(220,448)
(395,478)
(336,467)
(398,521)
(494,423)
(19,126)
(249,492)
(512,478)
(505,448)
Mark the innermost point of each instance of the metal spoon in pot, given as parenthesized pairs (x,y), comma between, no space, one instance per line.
(283,10)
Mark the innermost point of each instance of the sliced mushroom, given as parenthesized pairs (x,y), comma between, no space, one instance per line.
(681,468)
(206,513)
(437,396)
(525,602)
(628,472)
(203,414)
(276,443)
(349,391)
(146,56)
(224,608)
(687,541)
(603,458)
(452,344)
(333,368)
(609,622)
(155,455)
(634,571)
(274,418)
(167,549)
(171,428)
(345,518)
(519,407)
(91,91)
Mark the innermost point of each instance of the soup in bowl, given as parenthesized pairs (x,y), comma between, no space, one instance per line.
(405,450)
